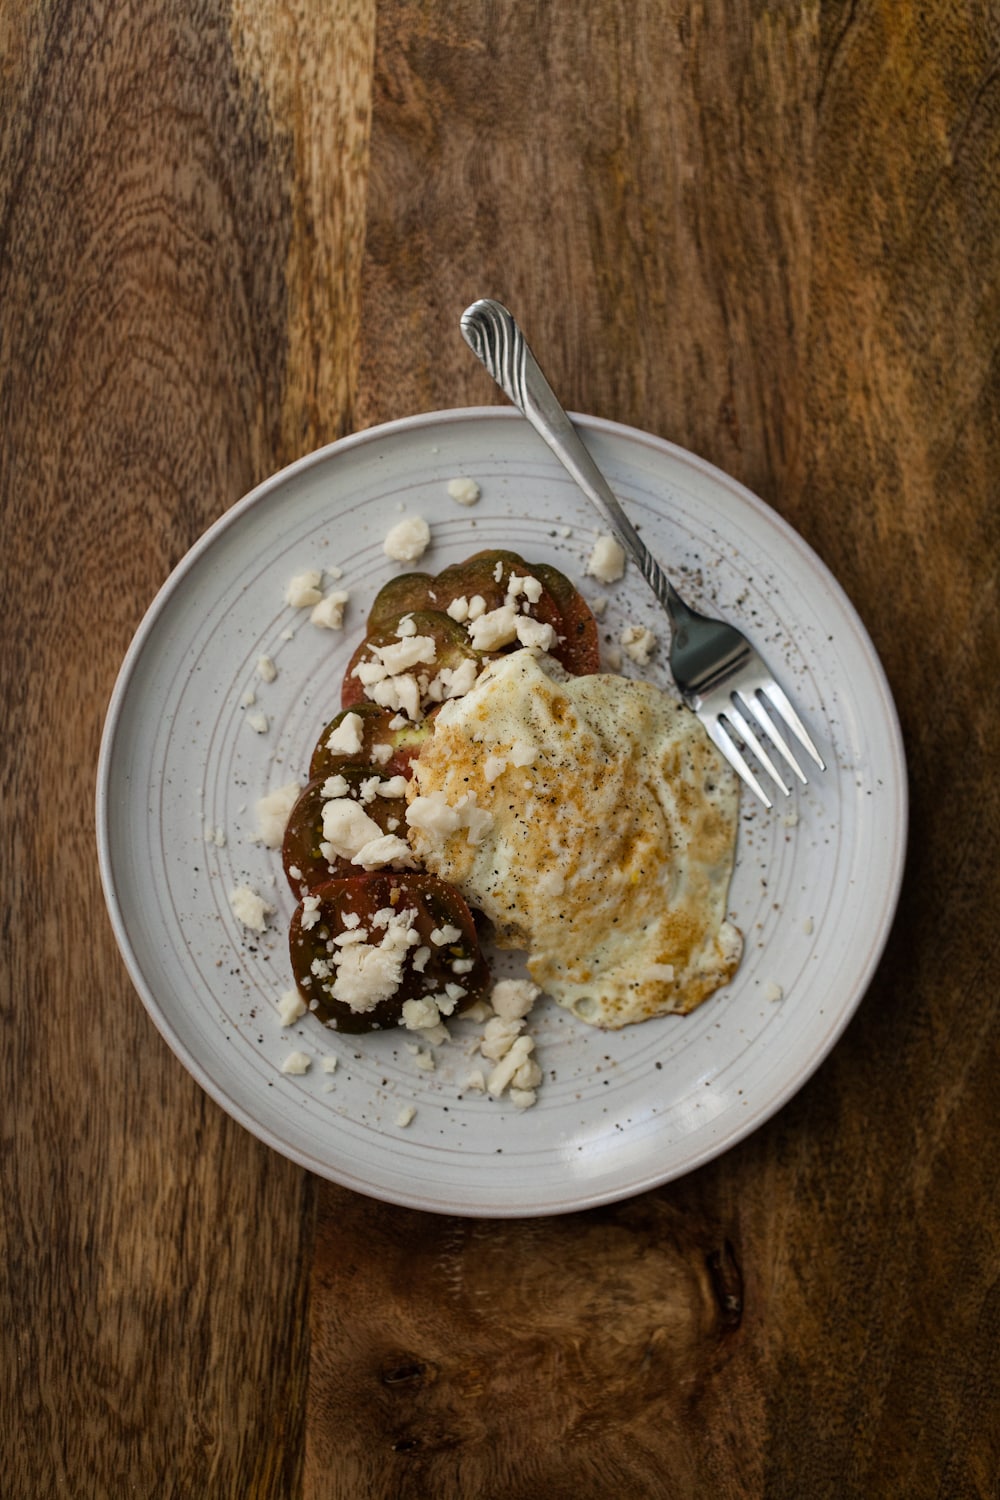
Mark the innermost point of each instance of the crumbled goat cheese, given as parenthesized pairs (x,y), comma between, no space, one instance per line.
(368,973)
(454,682)
(530,588)
(405,1116)
(598,606)
(329,1063)
(387,849)
(513,998)
(304,589)
(394,787)
(424,1060)
(458,610)
(347,828)
(348,737)
(249,908)
(476,1080)
(381,754)
(273,812)
(522,1098)
(291,1007)
(495,628)
(791,819)
(408,539)
(258,722)
(503,1072)
(335,786)
(465,491)
(249,698)
(438,818)
(773,991)
(418,1015)
(329,612)
(441,936)
(215,836)
(401,694)
(613,658)
(266,670)
(296,1062)
(402,655)
(607,560)
(638,643)
(535,635)
(310,913)
(499,1036)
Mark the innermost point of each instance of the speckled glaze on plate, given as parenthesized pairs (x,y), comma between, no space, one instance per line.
(181,768)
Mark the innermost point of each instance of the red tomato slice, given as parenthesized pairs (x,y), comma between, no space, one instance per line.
(363,985)
(305,864)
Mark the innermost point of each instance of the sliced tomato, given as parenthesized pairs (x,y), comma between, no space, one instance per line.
(383,906)
(451,643)
(305,864)
(579,649)
(376,730)
(560,604)
(407,591)
(477,575)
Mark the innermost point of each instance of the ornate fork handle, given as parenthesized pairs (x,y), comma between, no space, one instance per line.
(494,337)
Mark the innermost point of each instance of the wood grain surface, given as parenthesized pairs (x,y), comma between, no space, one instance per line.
(231,232)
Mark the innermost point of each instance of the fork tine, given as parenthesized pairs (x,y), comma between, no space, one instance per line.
(738,720)
(724,741)
(770,728)
(783,704)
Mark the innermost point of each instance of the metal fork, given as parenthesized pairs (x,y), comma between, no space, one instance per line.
(719,674)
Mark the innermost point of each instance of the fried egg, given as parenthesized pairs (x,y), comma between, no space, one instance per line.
(594,823)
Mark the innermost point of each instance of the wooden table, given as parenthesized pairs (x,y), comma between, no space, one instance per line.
(230,233)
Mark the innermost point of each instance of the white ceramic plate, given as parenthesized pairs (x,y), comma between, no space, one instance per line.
(181,768)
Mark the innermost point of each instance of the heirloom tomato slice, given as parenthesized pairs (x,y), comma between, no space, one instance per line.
(405,592)
(376,730)
(579,649)
(362,947)
(451,649)
(477,575)
(305,864)
(560,604)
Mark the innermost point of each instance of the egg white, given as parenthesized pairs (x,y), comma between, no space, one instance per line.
(608,841)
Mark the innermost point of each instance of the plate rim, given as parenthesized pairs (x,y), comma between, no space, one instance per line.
(259,494)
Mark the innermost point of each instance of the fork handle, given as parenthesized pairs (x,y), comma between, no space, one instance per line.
(494,337)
